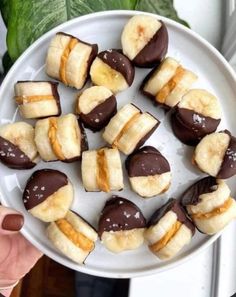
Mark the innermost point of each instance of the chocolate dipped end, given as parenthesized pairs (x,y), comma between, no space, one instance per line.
(54,86)
(154,51)
(172,205)
(120,214)
(190,127)
(13,157)
(118,62)
(100,116)
(146,161)
(42,184)
(203,186)
(145,138)
(228,167)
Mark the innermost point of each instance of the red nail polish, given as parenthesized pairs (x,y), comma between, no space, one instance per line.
(13,222)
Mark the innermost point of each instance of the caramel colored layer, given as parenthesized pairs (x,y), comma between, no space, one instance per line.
(76,237)
(62,71)
(52,135)
(28,99)
(102,174)
(165,239)
(170,85)
(124,129)
(222,208)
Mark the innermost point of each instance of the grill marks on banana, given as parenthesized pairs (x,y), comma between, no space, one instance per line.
(52,135)
(64,58)
(102,171)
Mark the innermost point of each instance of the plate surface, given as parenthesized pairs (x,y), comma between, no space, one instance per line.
(105,28)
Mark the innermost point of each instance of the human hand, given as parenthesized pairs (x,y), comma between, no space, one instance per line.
(17,255)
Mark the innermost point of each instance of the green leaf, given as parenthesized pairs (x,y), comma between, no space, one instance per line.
(5,10)
(162,7)
(27,20)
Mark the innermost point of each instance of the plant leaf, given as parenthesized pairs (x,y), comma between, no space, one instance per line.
(29,19)
(162,7)
(5,10)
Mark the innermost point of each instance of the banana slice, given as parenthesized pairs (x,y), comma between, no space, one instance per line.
(96,106)
(197,115)
(144,40)
(69,59)
(48,195)
(216,155)
(102,170)
(17,146)
(37,99)
(121,225)
(148,171)
(60,138)
(73,236)
(112,70)
(169,230)
(209,204)
(167,83)
(130,128)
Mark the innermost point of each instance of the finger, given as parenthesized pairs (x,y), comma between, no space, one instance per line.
(10,221)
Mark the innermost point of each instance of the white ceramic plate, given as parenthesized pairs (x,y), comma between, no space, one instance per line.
(105,29)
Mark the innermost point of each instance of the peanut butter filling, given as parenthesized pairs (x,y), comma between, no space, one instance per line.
(36,98)
(76,237)
(102,174)
(166,238)
(124,129)
(64,58)
(52,135)
(170,85)
(219,210)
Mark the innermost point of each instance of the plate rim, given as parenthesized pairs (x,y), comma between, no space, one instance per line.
(117,13)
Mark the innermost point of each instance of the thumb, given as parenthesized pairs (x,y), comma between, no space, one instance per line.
(10,221)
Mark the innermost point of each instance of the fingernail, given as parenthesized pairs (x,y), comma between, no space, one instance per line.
(13,222)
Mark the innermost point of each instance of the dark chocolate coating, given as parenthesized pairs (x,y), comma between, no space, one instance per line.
(145,162)
(118,62)
(103,112)
(55,93)
(190,127)
(202,186)
(171,205)
(154,51)
(13,157)
(92,55)
(228,167)
(120,214)
(41,185)
(145,138)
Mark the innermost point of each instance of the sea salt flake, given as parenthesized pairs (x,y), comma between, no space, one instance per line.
(35,188)
(137,215)
(108,220)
